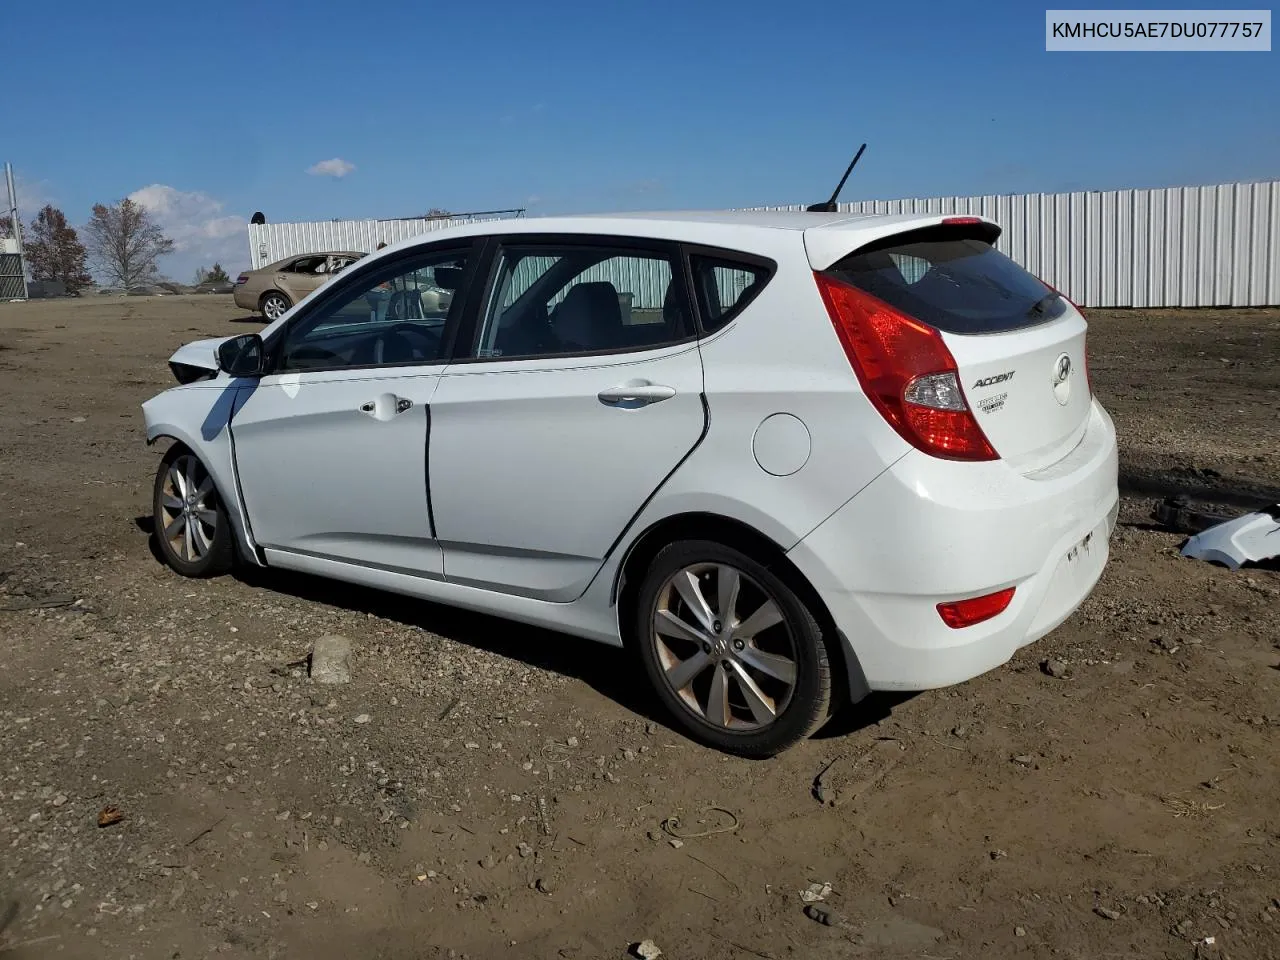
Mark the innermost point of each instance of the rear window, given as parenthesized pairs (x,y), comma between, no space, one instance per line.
(955,284)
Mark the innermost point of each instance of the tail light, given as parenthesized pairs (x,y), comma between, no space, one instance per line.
(965,613)
(907,372)
(243,278)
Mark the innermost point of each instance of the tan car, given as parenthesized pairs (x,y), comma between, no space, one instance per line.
(275,288)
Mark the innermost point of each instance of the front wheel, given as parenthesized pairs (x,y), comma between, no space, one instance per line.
(732,651)
(191,525)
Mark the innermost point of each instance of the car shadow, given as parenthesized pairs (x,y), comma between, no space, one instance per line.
(251,318)
(609,671)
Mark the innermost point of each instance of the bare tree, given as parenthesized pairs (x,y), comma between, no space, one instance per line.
(125,243)
(53,250)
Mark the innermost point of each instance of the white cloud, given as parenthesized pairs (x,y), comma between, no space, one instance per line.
(202,233)
(337,167)
(32,196)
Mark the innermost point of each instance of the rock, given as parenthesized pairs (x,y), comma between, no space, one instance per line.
(363,718)
(525,850)
(960,731)
(645,950)
(331,660)
(1024,759)
(1055,668)
(677,844)
(1107,913)
(822,914)
(573,742)
(1019,931)
(998,854)
(543,885)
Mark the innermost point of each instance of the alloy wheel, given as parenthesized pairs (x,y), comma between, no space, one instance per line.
(274,307)
(724,647)
(189,518)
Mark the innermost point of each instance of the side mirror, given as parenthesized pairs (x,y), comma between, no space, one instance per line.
(242,356)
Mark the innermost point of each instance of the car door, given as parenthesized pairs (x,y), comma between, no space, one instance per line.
(300,278)
(582,393)
(331,445)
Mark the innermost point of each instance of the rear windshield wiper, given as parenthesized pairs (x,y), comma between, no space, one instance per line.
(1040,306)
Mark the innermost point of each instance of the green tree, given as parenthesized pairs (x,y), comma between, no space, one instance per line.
(216,274)
(53,250)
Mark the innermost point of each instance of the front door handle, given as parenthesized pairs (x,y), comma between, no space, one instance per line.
(386,406)
(636,393)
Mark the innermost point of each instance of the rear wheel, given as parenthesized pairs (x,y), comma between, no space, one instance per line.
(191,524)
(274,305)
(731,649)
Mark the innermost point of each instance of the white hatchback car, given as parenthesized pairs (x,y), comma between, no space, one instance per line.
(786,458)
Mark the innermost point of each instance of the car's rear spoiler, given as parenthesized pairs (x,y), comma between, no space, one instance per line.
(831,242)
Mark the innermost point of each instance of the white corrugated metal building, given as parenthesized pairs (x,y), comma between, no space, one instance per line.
(1204,246)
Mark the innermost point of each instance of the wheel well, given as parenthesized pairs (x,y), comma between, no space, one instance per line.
(740,536)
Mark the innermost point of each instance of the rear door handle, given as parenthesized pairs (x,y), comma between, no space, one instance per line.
(636,393)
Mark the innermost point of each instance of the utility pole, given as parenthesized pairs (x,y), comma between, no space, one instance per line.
(16,220)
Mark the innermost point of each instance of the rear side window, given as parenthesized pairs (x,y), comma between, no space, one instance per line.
(724,288)
(955,284)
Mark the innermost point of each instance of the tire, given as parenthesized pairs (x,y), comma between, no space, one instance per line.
(735,694)
(191,525)
(273,305)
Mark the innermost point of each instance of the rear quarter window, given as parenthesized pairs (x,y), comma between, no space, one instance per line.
(955,284)
(724,286)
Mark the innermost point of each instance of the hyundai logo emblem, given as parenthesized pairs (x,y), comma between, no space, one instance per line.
(1062,379)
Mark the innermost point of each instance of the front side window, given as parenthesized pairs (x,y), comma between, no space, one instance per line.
(553,301)
(394,315)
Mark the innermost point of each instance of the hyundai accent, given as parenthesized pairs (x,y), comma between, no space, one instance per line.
(785,459)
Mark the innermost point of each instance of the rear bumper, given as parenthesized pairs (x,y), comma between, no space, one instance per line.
(244,299)
(928,531)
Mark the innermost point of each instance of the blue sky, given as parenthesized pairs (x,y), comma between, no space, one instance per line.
(214,111)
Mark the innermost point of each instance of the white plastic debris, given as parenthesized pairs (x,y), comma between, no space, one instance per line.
(1251,538)
(816,892)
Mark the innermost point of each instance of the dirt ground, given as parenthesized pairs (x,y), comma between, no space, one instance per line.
(485,790)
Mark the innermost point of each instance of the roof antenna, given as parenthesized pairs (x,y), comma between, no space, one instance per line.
(830,205)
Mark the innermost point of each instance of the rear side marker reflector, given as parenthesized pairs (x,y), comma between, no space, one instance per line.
(965,613)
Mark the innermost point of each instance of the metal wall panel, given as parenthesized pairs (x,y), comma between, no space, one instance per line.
(1211,246)
(1205,246)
